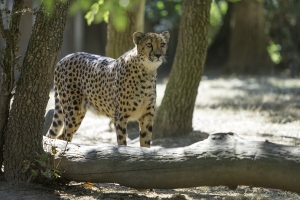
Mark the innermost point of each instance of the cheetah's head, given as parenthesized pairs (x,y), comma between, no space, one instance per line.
(152,47)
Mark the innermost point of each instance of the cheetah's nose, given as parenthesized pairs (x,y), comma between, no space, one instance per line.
(157,55)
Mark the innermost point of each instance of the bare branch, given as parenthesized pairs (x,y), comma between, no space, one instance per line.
(2,29)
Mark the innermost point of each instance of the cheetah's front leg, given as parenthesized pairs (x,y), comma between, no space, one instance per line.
(121,129)
(146,123)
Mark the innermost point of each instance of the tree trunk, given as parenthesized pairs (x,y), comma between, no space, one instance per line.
(11,37)
(174,116)
(222,159)
(248,43)
(23,138)
(120,42)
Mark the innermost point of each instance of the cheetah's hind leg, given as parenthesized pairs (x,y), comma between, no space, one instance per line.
(74,112)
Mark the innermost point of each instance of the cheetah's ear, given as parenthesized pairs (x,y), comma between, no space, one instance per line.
(137,36)
(166,35)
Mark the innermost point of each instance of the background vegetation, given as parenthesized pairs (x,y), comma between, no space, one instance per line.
(86,30)
(244,38)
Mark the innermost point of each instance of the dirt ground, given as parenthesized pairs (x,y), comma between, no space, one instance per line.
(255,108)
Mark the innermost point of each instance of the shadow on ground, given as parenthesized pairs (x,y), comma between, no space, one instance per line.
(278,97)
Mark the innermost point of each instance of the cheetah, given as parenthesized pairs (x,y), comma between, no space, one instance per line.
(123,89)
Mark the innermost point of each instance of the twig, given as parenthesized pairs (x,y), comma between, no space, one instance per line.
(62,152)
(12,71)
(2,30)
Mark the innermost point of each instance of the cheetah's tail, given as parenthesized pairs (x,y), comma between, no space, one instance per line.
(58,118)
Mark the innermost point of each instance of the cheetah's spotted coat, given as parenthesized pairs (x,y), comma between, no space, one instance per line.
(122,89)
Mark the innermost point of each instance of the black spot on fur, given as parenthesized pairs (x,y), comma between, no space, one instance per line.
(52,132)
(143,134)
(54,124)
(124,131)
(149,128)
(121,129)
(120,137)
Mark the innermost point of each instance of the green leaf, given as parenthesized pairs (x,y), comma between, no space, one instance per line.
(274,52)
(47,174)
(160,5)
(41,162)
(163,13)
(105,16)
(90,16)
(34,173)
(56,175)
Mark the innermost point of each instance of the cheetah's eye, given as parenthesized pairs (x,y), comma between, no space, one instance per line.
(162,44)
(149,45)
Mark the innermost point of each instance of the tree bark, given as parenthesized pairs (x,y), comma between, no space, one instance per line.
(23,138)
(120,42)
(248,43)
(11,37)
(222,159)
(174,116)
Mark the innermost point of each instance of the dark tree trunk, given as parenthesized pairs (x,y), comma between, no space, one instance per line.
(248,43)
(217,52)
(11,37)
(174,116)
(120,42)
(23,137)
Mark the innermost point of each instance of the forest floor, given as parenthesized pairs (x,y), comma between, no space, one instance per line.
(255,108)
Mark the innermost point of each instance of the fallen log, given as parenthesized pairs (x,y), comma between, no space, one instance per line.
(222,159)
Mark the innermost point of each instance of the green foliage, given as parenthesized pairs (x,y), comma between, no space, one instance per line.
(42,170)
(102,10)
(235,1)
(217,11)
(283,25)
(163,14)
(97,13)
(81,5)
(274,52)
(160,5)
